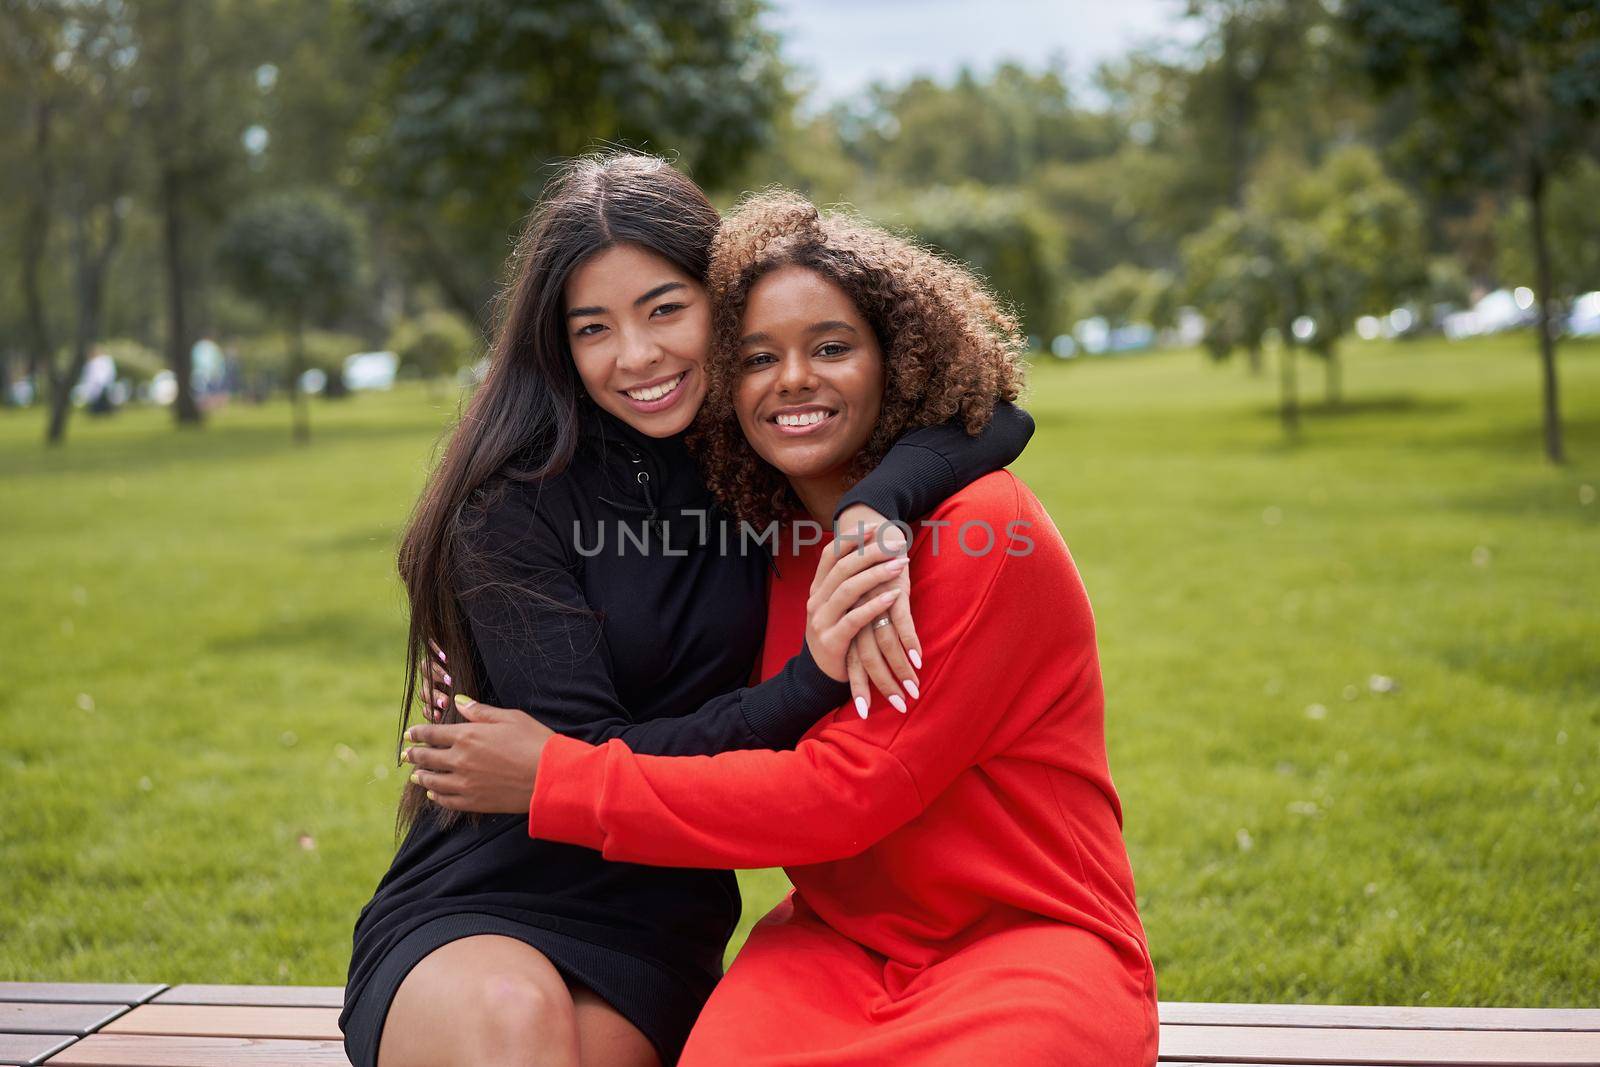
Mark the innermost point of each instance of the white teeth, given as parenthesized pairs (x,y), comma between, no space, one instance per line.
(655,392)
(806,418)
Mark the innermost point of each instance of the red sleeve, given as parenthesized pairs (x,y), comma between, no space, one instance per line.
(1007,635)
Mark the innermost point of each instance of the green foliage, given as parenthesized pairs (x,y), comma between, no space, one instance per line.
(1010,122)
(1574,235)
(435,343)
(296,254)
(1001,236)
(1234,271)
(481,96)
(272,354)
(1127,294)
(1501,88)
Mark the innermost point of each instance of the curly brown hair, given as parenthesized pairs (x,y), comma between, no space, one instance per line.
(950,347)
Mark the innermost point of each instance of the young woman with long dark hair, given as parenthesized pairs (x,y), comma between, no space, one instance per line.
(480,945)
(962,891)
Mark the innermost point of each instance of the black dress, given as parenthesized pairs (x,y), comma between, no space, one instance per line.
(649,644)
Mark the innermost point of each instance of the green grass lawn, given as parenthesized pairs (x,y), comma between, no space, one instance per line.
(202,648)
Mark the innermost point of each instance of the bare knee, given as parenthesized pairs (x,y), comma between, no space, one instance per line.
(522,1020)
(483,1001)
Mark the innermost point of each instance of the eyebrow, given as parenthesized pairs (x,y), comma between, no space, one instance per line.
(760,338)
(664,287)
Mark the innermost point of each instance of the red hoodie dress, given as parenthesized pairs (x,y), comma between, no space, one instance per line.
(962,891)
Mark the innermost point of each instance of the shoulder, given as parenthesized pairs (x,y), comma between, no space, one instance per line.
(994,524)
(995,499)
(511,509)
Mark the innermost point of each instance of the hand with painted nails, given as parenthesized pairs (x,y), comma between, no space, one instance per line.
(887,654)
(436,686)
(852,587)
(487,763)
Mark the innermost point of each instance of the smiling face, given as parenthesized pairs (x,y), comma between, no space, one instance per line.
(810,382)
(639,329)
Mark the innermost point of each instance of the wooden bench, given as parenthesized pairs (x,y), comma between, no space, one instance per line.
(297,1026)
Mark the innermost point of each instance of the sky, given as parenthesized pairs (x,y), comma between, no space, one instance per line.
(844,45)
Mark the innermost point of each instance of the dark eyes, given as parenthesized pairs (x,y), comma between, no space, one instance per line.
(659,312)
(830,350)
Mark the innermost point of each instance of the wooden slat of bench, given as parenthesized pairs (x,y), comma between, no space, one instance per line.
(77,992)
(224,1020)
(1425,1048)
(31,1048)
(262,996)
(1380,1018)
(29,1018)
(135,1050)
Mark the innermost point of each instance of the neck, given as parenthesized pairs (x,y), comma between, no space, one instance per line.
(820,495)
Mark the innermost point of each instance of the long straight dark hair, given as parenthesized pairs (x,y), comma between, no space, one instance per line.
(522,420)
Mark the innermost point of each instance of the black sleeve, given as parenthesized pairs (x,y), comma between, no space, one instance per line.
(927,466)
(542,650)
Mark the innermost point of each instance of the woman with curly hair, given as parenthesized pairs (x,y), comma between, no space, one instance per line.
(962,894)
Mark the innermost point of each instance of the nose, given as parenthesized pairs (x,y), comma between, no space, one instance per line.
(639,352)
(795,375)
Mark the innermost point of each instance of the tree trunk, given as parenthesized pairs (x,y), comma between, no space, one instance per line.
(298,411)
(1547,339)
(180,345)
(35,243)
(91,263)
(1289,391)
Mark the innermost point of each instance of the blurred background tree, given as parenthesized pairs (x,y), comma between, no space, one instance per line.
(479,98)
(1505,97)
(296,254)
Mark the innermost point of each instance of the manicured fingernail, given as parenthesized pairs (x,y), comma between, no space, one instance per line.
(440,701)
(916,658)
(463,701)
(888,598)
(437,651)
(447,679)
(911,687)
(896,565)
(411,734)
(861,706)
(899,704)
(416,779)
(893,539)
(430,794)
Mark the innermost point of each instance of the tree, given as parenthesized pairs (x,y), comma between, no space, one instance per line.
(998,234)
(1362,250)
(71,59)
(434,344)
(196,70)
(297,255)
(1574,236)
(1231,276)
(480,96)
(1507,95)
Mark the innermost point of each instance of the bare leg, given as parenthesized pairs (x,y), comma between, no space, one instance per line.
(483,1001)
(606,1038)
